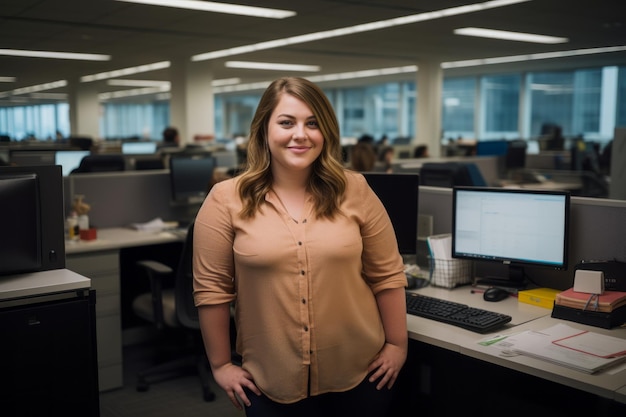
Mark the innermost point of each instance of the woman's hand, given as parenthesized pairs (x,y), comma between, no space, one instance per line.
(232,379)
(387,365)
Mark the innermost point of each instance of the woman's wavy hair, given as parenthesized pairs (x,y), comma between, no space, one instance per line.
(327,182)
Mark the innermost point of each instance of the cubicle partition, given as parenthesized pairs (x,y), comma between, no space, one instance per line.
(122,198)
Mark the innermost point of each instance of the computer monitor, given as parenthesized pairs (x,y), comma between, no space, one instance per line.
(190,176)
(31,219)
(492,147)
(69,160)
(450,174)
(139,148)
(515,227)
(399,193)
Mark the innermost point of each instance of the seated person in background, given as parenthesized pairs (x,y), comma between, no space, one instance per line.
(421,151)
(170,137)
(363,157)
(385,157)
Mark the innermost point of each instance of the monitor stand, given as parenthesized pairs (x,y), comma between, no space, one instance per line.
(516,279)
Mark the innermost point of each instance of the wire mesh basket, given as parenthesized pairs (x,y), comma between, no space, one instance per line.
(450,273)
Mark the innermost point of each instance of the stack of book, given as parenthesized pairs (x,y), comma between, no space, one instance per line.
(606,310)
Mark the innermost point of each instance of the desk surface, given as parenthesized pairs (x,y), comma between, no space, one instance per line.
(120,237)
(43,282)
(610,383)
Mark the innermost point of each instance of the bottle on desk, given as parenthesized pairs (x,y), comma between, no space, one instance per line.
(72,228)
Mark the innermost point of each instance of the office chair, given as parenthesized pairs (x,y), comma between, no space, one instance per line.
(101,163)
(171,309)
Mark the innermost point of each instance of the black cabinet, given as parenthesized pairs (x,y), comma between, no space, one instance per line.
(48,357)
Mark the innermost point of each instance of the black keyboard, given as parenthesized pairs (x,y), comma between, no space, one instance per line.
(456,314)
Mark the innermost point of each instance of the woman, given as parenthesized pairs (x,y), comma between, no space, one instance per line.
(308,255)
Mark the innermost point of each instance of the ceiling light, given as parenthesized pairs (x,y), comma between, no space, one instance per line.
(55,55)
(366,27)
(271,66)
(210,6)
(138,83)
(125,71)
(7,79)
(520,58)
(40,87)
(510,36)
(225,81)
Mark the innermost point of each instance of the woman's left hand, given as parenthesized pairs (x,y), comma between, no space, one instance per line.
(387,365)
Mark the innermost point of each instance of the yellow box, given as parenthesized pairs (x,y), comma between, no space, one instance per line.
(540,297)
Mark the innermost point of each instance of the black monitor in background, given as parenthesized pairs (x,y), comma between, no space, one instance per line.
(516,154)
(31,219)
(492,147)
(514,227)
(190,176)
(450,174)
(69,160)
(399,193)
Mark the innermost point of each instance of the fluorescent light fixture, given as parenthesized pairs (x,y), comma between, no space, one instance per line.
(366,27)
(7,79)
(271,66)
(39,87)
(49,96)
(510,36)
(322,78)
(210,6)
(132,92)
(225,81)
(138,83)
(55,55)
(543,55)
(125,71)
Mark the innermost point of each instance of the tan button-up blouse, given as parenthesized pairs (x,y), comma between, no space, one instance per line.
(304,289)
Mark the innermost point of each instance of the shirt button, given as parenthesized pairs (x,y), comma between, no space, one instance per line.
(306,328)
(303,301)
(302,272)
(304,221)
(300,243)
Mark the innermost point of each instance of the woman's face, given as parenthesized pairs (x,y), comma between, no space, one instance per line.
(294,138)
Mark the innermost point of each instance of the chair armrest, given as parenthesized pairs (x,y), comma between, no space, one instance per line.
(156,272)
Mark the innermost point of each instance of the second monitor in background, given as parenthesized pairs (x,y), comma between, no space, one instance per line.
(139,148)
(190,177)
(399,193)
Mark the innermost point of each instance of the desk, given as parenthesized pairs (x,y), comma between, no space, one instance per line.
(100,260)
(481,371)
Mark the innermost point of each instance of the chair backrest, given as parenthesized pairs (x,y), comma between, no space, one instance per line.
(101,163)
(186,311)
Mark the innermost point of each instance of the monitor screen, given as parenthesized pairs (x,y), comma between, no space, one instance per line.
(399,193)
(449,174)
(69,160)
(31,219)
(139,148)
(190,176)
(517,227)
(491,147)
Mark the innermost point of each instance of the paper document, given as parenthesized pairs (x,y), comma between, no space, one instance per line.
(155,225)
(539,344)
(440,246)
(590,343)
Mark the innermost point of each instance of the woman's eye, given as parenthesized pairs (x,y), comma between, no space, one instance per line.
(285,123)
(313,123)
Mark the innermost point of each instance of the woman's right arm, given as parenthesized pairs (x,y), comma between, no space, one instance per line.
(215,327)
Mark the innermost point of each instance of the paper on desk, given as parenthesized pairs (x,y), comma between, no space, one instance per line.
(155,225)
(590,343)
(539,344)
(440,246)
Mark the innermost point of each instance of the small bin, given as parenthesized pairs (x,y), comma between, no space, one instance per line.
(450,273)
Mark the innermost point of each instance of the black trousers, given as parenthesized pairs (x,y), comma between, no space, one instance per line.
(363,401)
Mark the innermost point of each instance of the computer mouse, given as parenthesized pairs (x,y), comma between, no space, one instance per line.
(495,294)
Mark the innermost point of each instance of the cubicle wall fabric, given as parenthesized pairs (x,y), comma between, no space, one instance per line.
(450,273)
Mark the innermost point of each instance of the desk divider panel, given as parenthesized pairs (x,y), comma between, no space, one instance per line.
(122,198)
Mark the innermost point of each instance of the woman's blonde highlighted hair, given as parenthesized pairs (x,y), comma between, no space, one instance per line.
(327,182)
